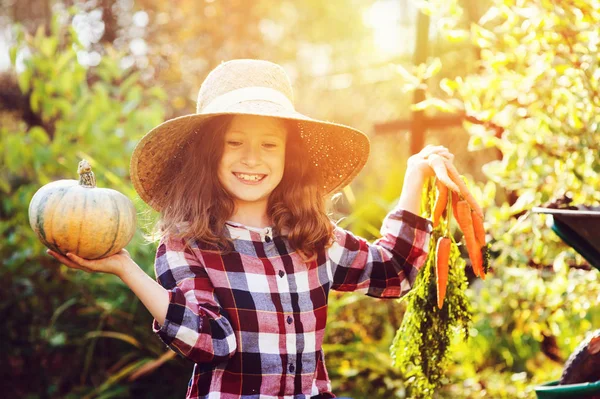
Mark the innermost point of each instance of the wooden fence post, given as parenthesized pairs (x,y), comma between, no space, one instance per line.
(418,125)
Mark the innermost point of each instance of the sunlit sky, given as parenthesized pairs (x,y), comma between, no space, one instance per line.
(387,19)
(391,21)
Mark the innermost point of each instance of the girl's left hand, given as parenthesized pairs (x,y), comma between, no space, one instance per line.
(430,161)
(421,162)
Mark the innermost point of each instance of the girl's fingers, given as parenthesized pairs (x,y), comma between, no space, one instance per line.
(436,163)
(85,269)
(66,261)
(90,264)
(443,152)
(61,258)
(437,150)
(76,258)
(430,149)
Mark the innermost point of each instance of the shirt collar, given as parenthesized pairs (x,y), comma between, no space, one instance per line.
(241,231)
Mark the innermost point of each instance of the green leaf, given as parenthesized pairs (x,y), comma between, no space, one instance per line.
(158,93)
(35,101)
(39,135)
(433,68)
(55,25)
(449,86)
(58,339)
(131,80)
(475,143)
(48,46)
(63,59)
(116,335)
(433,102)
(407,76)
(24,80)
(455,35)
(482,37)
(523,202)
(13,55)
(4,185)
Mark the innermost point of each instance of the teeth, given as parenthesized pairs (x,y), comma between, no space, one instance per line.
(249,177)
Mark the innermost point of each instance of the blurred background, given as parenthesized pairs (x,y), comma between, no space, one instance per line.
(511,87)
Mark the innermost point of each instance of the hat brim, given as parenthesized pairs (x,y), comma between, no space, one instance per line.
(338,152)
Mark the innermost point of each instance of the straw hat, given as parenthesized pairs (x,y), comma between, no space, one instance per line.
(251,87)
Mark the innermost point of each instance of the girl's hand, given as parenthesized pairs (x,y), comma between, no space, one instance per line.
(115,264)
(421,161)
(430,161)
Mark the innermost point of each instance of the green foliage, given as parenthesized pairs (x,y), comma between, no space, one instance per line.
(519,316)
(58,322)
(358,335)
(421,346)
(534,98)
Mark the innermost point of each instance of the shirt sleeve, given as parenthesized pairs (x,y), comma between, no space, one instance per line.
(388,267)
(195,325)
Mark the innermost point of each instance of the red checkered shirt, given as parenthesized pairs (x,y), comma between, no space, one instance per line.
(253,320)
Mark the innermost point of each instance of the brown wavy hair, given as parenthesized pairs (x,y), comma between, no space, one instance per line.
(197,205)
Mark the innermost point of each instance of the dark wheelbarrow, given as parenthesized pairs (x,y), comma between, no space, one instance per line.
(580,229)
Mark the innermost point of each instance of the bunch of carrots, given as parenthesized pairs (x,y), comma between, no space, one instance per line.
(422,343)
(468,215)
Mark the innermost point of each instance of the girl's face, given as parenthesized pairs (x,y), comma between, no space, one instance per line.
(253,158)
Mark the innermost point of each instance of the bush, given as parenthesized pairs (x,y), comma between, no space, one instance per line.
(68,334)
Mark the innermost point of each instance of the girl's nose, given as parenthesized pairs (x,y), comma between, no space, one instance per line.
(251,155)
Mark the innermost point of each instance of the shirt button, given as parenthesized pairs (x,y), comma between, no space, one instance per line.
(290,320)
(292,368)
(281,273)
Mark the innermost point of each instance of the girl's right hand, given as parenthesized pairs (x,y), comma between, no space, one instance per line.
(115,264)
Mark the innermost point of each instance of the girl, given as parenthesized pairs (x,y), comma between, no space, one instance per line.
(247,255)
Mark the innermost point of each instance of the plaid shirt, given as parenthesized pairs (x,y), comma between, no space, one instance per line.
(253,321)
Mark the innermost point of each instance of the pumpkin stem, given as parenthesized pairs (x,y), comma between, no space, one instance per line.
(86,176)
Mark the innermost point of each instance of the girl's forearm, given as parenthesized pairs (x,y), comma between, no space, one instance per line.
(152,294)
(412,188)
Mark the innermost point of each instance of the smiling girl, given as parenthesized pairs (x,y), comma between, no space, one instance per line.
(247,255)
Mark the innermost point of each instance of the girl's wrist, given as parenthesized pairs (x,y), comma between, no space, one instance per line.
(412,188)
(414,174)
(128,269)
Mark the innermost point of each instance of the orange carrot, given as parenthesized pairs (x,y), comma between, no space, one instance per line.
(440,202)
(442,255)
(480,236)
(464,190)
(478,228)
(465,221)
(455,200)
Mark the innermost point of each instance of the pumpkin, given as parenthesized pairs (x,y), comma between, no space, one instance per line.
(78,217)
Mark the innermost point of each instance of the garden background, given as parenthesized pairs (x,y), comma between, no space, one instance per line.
(510,87)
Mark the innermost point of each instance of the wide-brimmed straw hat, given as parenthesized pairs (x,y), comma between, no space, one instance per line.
(249,87)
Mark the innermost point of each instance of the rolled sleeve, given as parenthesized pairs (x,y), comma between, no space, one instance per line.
(388,267)
(196,327)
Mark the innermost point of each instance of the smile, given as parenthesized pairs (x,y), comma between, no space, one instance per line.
(250,177)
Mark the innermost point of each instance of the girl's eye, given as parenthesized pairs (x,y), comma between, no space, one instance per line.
(270,145)
(234,143)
